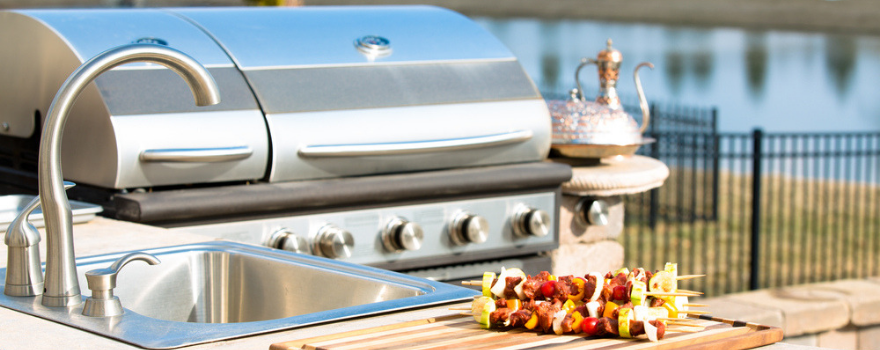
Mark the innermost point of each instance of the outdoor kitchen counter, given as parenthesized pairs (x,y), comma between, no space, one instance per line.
(22,331)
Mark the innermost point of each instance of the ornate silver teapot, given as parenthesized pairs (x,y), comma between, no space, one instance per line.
(599,129)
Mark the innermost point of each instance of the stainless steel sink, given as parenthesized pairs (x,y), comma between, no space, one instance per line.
(221,290)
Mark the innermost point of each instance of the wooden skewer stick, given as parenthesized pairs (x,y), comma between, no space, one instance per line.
(460,308)
(668,294)
(472,283)
(689,291)
(695,305)
(684,324)
(466,314)
(676,319)
(693,312)
(687,277)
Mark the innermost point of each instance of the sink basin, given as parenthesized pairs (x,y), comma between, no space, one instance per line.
(220,290)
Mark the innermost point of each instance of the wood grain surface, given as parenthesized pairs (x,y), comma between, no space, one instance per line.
(461,332)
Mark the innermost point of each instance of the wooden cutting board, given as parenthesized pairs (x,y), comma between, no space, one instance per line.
(461,332)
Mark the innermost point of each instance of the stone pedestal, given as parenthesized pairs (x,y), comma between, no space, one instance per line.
(592,246)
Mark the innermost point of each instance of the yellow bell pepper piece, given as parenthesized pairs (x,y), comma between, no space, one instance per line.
(670,307)
(551,278)
(579,282)
(578,319)
(532,322)
(568,306)
(514,304)
(609,309)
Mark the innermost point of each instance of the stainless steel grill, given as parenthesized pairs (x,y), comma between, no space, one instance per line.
(403,137)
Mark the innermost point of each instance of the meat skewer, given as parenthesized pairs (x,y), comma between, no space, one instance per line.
(621,303)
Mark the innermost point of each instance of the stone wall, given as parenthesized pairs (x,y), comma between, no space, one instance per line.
(583,247)
(838,315)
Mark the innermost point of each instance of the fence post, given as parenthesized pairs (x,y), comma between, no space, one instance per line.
(655,153)
(757,138)
(716,163)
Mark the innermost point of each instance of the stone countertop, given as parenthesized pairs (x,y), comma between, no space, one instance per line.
(100,236)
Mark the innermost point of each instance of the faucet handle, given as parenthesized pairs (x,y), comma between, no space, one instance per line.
(103,303)
(24,277)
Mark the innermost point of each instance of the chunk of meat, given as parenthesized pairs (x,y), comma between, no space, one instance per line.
(519,318)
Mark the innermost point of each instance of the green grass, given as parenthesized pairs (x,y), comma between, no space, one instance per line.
(811,230)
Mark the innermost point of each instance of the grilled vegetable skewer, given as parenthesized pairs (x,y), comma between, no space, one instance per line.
(637,302)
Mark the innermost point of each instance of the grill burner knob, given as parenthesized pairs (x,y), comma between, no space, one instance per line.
(287,240)
(334,242)
(468,228)
(592,212)
(400,234)
(531,222)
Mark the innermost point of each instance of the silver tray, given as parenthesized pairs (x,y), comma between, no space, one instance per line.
(12,205)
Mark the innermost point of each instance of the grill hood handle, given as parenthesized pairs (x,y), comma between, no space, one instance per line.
(196,155)
(415,147)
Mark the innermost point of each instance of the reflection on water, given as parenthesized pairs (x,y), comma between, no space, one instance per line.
(780,81)
(840,58)
(756,63)
(550,60)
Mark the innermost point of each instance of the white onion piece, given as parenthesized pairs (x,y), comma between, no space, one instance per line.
(557,321)
(651,331)
(498,288)
(599,282)
(679,305)
(519,290)
(593,309)
(640,312)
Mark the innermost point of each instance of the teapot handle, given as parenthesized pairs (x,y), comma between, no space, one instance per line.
(646,113)
(577,72)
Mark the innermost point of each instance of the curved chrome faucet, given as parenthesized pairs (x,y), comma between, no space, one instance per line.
(61,285)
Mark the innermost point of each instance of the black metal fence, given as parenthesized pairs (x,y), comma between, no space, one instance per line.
(756,210)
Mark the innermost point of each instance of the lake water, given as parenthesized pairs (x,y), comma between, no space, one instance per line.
(779,81)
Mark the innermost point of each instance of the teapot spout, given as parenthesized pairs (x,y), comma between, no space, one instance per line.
(646,113)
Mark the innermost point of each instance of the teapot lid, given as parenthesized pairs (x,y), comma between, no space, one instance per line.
(610,55)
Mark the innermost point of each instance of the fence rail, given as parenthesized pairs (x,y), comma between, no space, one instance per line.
(756,210)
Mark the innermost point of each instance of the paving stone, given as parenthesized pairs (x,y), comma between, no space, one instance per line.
(733,309)
(869,338)
(580,258)
(862,297)
(846,338)
(806,340)
(803,310)
(573,229)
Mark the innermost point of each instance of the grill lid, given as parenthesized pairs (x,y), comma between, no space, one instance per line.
(306,93)
(366,90)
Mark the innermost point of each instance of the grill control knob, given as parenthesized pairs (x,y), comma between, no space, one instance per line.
(285,239)
(468,228)
(400,234)
(334,242)
(592,212)
(531,222)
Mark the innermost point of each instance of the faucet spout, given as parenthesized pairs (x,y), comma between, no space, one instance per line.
(61,284)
